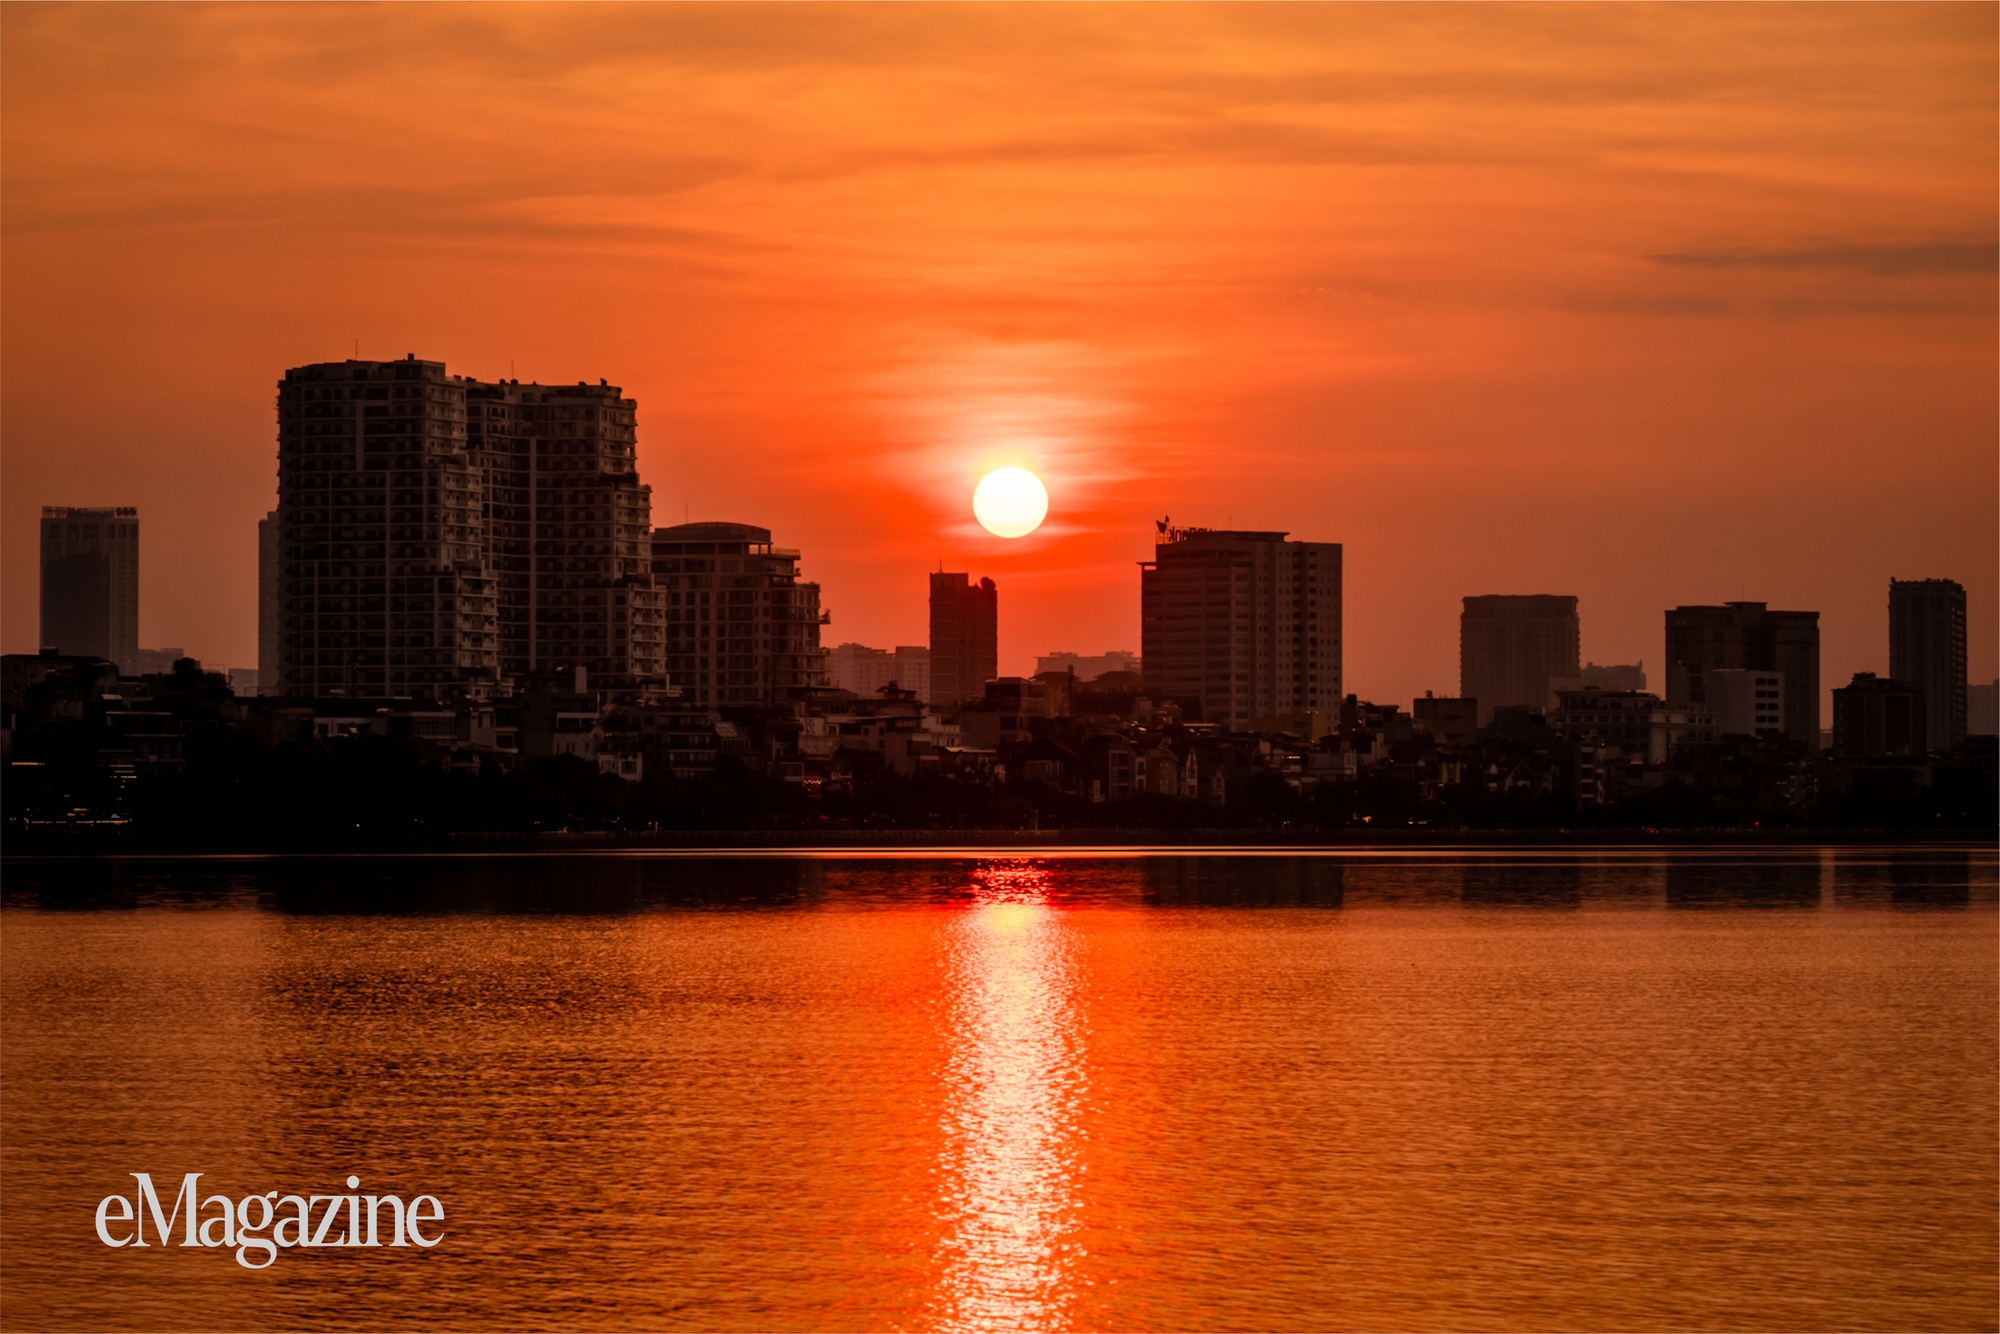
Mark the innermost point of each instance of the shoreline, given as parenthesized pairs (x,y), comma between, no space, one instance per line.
(1065,842)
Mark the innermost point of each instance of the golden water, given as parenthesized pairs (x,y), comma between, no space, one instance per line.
(1612,1090)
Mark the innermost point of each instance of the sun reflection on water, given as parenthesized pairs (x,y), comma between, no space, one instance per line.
(1014,1085)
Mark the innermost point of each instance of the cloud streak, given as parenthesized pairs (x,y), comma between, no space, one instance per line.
(1918,259)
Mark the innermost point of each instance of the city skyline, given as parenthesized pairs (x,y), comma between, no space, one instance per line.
(1631,392)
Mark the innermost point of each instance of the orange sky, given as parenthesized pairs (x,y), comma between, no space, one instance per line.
(1648,305)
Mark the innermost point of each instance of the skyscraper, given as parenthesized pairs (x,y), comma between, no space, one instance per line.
(569,528)
(741,626)
(90,583)
(965,637)
(1927,650)
(268,657)
(1245,625)
(385,579)
(1510,646)
(440,536)
(1747,635)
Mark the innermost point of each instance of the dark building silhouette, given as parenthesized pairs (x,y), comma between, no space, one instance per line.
(1982,709)
(90,583)
(1878,716)
(741,627)
(1510,646)
(569,529)
(385,576)
(1454,722)
(965,637)
(1749,636)
(1927,650)
(269,659)
(1246,625)
(439,536)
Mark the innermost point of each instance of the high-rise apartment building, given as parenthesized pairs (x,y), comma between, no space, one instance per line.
(90,583)
(1510,646)
(1749,636)
(385,578)
(864,670)
(965,638)
(569,529)
(1243,625)
(440,536)
(1927,650)
(741,626)
(268,603)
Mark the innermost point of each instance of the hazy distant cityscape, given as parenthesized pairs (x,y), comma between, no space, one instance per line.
(461,588)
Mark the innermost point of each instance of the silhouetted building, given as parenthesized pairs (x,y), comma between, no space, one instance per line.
(1745,702)
(1878,716)
(1747,635)
(90,583)
(1927,650)
(385,575)
(440,536)
(1982,709)
(742,627)
(965,637)
(1622,676)
(569,529)
(1087,667)
(1003,714)
(159,661)
(864,671)
(1640,725)
(1511,646)
(1454,722)
(1243,625)
(268,602)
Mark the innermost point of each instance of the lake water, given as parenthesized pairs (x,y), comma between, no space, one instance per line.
(1590,1089)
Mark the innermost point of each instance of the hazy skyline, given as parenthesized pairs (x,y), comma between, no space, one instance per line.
(1647,305)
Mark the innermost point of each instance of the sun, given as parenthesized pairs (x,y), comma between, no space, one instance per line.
(1010,502)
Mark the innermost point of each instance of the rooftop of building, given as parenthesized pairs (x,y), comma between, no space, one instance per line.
(1172,536)
(716,539)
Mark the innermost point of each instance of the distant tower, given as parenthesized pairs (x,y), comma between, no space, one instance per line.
(90,583)
(1511,646)
(267,604)
(965,637)
(1927,650)
(1244,624)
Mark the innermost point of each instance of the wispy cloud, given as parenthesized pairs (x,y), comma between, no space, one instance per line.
(1636,303)
(1889,260)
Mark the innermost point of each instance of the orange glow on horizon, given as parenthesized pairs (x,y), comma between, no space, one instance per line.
(1650,305)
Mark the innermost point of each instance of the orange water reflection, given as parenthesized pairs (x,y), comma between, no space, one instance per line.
(1010,1190)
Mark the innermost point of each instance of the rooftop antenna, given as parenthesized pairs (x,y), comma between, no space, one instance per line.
(357,349)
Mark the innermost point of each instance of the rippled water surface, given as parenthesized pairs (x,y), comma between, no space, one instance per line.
(1398,1090)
